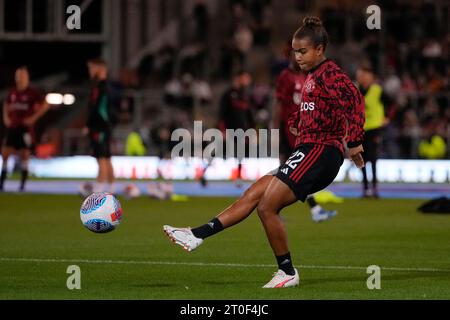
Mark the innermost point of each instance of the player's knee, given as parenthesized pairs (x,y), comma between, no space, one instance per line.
(264,209)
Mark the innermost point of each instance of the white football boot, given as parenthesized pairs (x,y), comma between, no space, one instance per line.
(184,237)
(282,280)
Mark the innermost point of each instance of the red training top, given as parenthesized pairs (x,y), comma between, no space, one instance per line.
(331,108)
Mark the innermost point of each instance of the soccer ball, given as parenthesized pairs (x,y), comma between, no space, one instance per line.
(101,212)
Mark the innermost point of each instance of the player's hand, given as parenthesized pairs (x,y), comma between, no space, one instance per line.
(85,131)
(355,155)
(294,131)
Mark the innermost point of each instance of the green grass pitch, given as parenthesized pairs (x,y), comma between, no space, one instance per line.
(40,236)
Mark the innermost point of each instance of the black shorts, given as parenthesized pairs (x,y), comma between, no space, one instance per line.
(100,144)
(18,138)
(310,168)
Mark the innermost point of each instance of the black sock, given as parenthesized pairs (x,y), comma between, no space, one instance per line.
(311,202)
(285,264)
(209,229)
(2,179)
(23,179)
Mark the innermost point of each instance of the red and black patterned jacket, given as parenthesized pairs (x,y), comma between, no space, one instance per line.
(331,109)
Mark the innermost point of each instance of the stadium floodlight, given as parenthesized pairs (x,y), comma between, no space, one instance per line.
(54,98)
(68,99)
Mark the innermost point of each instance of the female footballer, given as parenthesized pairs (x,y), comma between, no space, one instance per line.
(332,110)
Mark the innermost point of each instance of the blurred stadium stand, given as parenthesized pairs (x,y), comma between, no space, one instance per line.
(170,61)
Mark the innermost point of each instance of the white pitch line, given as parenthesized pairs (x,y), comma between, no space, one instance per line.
(211,264)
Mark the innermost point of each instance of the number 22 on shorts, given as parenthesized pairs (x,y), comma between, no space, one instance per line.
(294,159)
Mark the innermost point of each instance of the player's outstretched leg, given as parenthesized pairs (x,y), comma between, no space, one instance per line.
(269,195)
(190,239)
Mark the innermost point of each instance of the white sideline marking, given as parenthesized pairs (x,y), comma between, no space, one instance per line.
(211,264)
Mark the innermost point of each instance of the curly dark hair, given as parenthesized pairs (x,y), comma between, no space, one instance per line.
(313,29)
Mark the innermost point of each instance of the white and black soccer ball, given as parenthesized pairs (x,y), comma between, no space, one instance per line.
(101,212)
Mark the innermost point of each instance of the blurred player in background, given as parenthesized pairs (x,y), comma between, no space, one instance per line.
(332,108)
(288,93)
(99,126)
(236,112)
(375,102)
(23,107)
